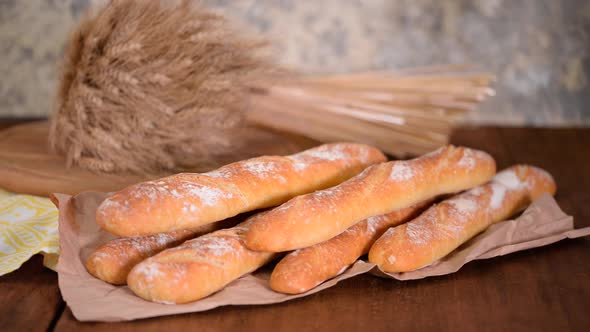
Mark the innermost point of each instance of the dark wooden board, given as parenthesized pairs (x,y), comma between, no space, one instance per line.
(544,289)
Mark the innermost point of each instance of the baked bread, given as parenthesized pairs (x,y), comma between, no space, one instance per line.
(306,268)
(197,268)
(188,200)
(313,218)
(112,261)
(447,225)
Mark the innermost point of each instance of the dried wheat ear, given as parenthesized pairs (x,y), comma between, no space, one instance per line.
(154,85)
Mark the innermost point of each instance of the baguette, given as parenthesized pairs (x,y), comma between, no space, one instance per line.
(313,218)
(196,268)
(188,200)
(112,261)
(306,268)
(444,227)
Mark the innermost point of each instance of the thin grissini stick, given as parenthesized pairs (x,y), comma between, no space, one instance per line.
(188,200)
(313,218)
(112,261)
(306,268)
(444,227)
(197,268)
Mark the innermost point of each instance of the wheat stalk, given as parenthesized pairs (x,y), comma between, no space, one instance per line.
(407,112)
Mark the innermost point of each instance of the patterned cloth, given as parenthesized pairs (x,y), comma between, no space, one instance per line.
(28,225)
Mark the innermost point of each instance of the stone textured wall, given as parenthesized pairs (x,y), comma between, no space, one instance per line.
(539,49)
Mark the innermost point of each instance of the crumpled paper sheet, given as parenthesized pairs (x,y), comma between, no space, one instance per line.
(28,226)
(91,299)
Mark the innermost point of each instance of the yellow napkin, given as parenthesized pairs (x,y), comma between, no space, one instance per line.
(28,225)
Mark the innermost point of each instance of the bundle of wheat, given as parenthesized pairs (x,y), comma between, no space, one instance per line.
(151,86)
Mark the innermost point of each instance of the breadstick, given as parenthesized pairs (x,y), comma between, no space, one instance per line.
(306,268)
(112,261)
(446,226)
(189,200)
(313,218)
(197,268)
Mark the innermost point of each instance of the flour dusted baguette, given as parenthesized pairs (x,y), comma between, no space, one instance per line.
(197,268)
(112,261)
(306,268)
(313,218)
(189,200)
(444,227)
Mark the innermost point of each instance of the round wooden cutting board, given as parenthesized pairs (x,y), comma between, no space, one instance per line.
(27,166)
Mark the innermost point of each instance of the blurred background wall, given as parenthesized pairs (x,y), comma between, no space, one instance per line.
(539,49)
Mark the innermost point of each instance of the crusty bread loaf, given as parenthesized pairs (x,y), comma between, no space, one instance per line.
(306,268)
(445,226)
(112,261)
(196,268)
(185,201)
(313,218)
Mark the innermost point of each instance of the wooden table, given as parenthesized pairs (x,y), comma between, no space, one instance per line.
(544,289)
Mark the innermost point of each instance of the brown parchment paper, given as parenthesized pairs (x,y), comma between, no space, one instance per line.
(91,299)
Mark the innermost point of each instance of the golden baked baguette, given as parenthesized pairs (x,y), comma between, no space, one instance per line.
(188,200)
(313,218)
(112,261)
(306,268)
(447,225)
(196,268)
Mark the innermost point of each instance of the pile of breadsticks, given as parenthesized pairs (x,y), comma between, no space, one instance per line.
(333,204)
